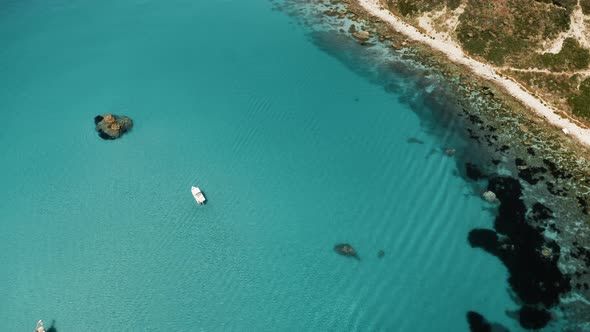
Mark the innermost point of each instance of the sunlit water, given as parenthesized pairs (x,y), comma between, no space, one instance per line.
(295,152)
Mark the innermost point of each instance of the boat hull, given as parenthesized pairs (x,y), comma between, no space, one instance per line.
(198,195)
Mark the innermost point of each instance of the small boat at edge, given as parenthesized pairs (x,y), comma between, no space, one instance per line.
(40,327)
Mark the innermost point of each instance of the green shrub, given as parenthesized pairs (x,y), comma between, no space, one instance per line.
(567,4)
(581,102)
(407,7)
(571,57)
(453,4)
(412,7)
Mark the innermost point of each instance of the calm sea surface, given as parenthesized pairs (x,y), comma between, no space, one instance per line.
(295,151)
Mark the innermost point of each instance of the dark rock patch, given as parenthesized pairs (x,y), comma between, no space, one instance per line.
(347,250)
(512,209)
(532,318)
(487,91)
(554,228)
(555,171)
(529,258)
(104,136)
(540,212)
(531,174)
(486,239)
(473,135)
(475,119)
(555,190)
(530,151)
(583,203)
(581,254)
(477,323)
(473,172)
(413,140)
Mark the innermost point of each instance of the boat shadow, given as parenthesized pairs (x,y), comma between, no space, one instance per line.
(52,327)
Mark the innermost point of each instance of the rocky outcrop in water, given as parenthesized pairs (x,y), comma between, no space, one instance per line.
(112,126)
(414,140)
(531,259)
(478,323)
(474,172)
(449,152)
(362,35)
(532,318)
(489,196)
(346,249)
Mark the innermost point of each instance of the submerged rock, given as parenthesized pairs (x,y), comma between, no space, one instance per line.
(532,318)
(473,172)
(362,35)
(478,323)
(450,152)
(490,196)
(531,259)
(112,126)
(381,253)
(346,249)
(413,140)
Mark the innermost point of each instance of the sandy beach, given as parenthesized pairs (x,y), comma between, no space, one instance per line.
(484,70)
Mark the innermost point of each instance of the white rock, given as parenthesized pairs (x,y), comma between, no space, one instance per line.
(490,196)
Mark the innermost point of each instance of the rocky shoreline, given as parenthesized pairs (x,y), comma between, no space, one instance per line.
(541,178)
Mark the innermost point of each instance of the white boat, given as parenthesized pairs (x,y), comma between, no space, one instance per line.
(198,195)
(40,327)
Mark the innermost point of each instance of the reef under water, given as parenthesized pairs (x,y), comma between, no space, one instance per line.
(531,259)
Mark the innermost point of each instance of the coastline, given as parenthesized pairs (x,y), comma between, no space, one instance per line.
(483,70)
(502,142)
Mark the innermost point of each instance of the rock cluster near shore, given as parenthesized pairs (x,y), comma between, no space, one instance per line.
(111,126)
(478,323)
(362,35)
(530,257)
(490,196)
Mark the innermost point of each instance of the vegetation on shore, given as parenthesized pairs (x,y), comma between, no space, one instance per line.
(506,34)
(580,101)
(537,42)
(572,56)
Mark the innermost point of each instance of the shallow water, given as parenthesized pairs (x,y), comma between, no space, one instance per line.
(295,151)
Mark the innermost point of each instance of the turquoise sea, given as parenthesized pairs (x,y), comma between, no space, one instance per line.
(295,149)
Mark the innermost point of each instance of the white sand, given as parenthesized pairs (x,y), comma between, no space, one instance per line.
(455,54)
